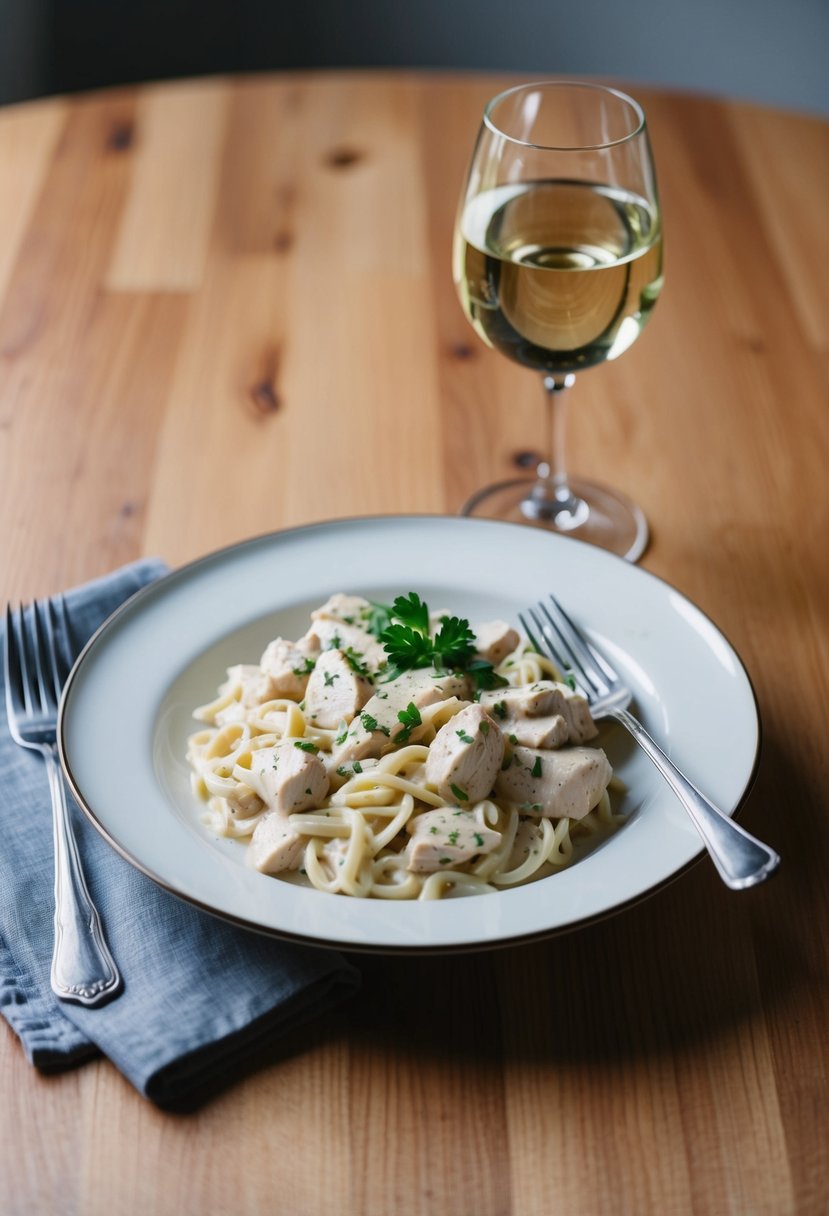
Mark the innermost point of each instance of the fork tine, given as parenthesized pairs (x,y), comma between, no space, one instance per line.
(536,645)
(541,640)
(15,683)
(54,665)
(41,646)
(575,646)
(555,645)
(596,655)
(569,656)
(66,650)
(19,636)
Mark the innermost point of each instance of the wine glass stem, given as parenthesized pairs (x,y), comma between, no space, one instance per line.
(555,472)
(551,497)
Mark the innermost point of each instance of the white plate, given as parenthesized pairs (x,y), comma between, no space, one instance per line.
(126,716)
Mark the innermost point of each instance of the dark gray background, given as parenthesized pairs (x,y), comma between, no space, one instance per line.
(773,51)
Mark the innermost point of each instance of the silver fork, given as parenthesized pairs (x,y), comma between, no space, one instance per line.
(37,663)
(741,859)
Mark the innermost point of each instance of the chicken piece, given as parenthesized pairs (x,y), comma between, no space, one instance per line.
(465,756)
(546,732)
(494,640)
(285,667)
(424,686)
(528,701)
(244,802)
(335,692)
(446,838)
(362,740)
(234,712)
(330,633)
(252,687)
(554,784)
(241,674)
(378,728)
(348,768)
(350,609)
(544,714)
(289,777)
(275,845)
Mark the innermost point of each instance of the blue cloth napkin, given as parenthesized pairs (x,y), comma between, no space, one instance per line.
(200,999)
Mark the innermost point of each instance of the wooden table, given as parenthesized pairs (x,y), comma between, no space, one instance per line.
(216,296)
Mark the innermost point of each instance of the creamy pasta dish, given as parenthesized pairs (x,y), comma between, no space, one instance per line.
(395,753)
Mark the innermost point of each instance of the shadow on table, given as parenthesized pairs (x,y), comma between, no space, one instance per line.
(690,964)
(673,973)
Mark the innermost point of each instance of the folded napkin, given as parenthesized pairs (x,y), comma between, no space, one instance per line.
(200,997)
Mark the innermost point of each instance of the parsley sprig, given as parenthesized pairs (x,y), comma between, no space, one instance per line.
(376,617)
(408,642)
(485,675)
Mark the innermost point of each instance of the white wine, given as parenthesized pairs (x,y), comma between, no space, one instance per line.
(558,275)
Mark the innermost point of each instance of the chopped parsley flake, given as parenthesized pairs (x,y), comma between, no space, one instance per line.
(445,861)
(568,679)
(479,840)
(343,733)
(356,661)
(306,668)
(500,709)
(410,718)
(345,771)
(536,769)
(484,728)
(305,745)
(459,793)
(433,830)
(453,836)
(330,677)
(507,761)
(464,737)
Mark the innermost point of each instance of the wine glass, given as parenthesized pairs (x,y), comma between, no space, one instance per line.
(558,264)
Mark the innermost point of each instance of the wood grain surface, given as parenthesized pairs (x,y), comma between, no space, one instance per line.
(220,303)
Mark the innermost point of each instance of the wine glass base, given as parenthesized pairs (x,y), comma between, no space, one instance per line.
(599,515)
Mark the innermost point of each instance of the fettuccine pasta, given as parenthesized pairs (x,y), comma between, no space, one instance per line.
(393,754)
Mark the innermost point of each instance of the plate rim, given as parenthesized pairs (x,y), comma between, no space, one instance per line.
(180,573)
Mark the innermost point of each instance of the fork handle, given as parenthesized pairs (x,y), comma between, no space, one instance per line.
(83,969)
(741,859)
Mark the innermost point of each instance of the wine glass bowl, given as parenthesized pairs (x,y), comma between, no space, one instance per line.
(558,264)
